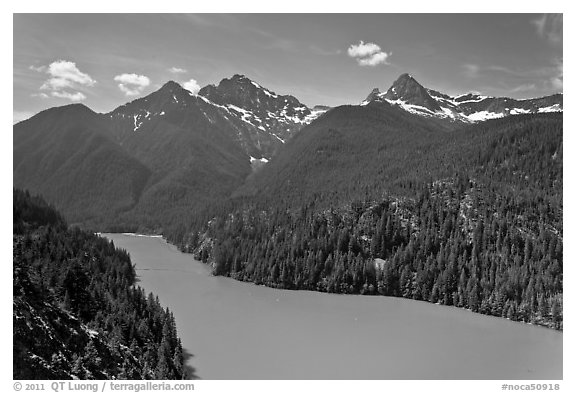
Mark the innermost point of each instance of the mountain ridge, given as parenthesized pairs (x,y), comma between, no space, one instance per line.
(367,201)
(405,92)
(371,198)
(157,159)
(271,118)
(411,96)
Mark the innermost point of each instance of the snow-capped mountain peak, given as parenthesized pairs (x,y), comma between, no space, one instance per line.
(271,118)
(169,98)
(407,89)
(412,97)
(258,118)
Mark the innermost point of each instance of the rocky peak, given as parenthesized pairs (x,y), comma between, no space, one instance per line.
(408,90)
(374,95)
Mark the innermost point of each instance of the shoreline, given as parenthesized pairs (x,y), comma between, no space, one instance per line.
(130,234)
(248,282)
(227,308)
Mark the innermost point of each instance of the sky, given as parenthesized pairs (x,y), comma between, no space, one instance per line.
(106,60)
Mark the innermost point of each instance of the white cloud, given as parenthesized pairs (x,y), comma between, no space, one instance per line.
(57,84)
(132,84)
(471,70)
(374,60)
(368,54)
(192,86)
(64,81)
(540,23)
(363,49)
(67,71)
(74,97)
(524,88)
(557,80)
(176,70)
(549,26)
(526,80)
(40,95)
(38,69)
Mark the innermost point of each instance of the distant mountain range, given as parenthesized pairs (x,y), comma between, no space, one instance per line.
(267,119)
(150,163)
(254,117)
(411,96)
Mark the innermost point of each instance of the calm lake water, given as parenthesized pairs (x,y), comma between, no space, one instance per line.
(237,330)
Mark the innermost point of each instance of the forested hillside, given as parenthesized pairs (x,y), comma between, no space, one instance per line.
(77,312)
(64,155)
(149,162)
(163,163)
(471,218)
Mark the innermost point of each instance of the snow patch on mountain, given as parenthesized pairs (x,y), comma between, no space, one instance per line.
(484,115)
(412,97)
(280,139)
(551,108)
(260,119)
(136,124)
(261,160)
(269,94)
(519,111)
(314,114)
(417,109)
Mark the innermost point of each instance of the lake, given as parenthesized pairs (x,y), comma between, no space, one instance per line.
(237,330)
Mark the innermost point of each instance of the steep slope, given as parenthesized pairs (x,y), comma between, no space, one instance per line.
(141,167)
(149,164)
(266,119)
(471,219)
(190,147)
(348,151)
(65,154)
(407,89)
(411,96)
(172,127)
(76,311)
